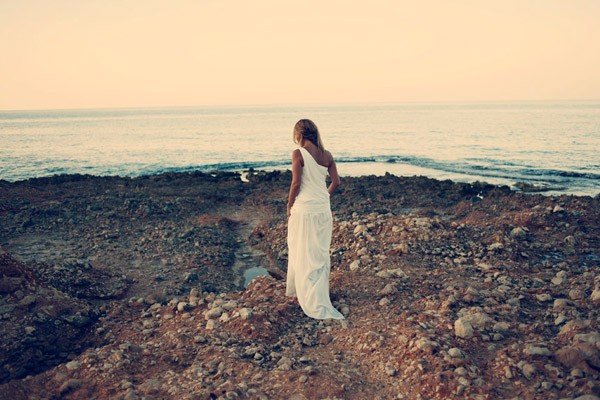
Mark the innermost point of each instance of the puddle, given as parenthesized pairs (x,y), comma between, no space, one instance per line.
(252,273)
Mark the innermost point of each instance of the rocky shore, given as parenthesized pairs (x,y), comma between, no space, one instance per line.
(133,288)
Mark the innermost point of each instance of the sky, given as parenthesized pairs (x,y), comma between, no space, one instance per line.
(147,53)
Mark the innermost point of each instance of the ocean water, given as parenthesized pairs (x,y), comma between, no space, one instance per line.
(555,145)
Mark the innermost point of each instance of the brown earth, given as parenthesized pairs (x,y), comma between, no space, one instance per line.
(133,288)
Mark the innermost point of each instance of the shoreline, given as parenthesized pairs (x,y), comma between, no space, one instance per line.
(537,186)
(449,289)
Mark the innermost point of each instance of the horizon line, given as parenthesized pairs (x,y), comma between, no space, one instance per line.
(303,104)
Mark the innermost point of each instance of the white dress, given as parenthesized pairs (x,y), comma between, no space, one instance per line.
(309,237)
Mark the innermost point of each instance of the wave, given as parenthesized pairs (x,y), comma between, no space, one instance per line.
(503,170)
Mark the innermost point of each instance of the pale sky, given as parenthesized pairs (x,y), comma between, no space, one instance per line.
(136,53)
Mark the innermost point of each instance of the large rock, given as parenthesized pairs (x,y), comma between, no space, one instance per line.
(463,328)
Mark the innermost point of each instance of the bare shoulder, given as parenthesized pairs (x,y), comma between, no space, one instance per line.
(297,156)
(328,157)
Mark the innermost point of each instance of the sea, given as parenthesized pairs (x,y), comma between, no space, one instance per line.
(551,146)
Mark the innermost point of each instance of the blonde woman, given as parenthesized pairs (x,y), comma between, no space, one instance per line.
(310,223)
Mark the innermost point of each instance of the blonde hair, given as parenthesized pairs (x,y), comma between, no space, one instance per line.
(307,130)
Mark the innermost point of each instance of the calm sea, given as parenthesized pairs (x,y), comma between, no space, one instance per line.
(551,144)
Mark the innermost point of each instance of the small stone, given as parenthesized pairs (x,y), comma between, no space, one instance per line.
(245,313)
(537,351)
(213,313)
(455,352)
(150,386)
(390,288)
(595,296)
(360,229)
(426,344)
(183,306)
(384,302)
(463,328)
(570,241)
(576,294)
(391,371)
(577,373)
(557,208)
(543,297)
(560,304)
(72,365)
(518,233)
(212,324)
(69,386)
(561,319)
(528,370)
(354,265)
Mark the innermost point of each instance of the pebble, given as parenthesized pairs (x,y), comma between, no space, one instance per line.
(213,313)
(384,302)
(463,328)
(537,351)
(543,297)
(245,313)
(391,371)
(354,265)
(72,365)
(455,352)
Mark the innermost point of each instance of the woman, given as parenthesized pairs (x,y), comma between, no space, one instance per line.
(310,223)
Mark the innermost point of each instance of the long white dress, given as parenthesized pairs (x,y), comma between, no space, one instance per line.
(309,237)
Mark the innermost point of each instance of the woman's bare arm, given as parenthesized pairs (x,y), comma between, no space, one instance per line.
(333,174)
(297,163)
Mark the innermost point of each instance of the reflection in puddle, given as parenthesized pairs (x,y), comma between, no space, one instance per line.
(252,273)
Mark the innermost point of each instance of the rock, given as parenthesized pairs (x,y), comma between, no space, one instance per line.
(360,229)
(463,328)
(150,386)
(389,273)
(69,386)
(455,352)
(303,379)
(213,313)
(561,304)
(543,297)
(390,288)
(518,233)
(537,351)
(230,305)
(478,320)
(587,397)
(354,265)
(570,241)
(560,277)
(183,306)
(557,208)
(384,302)
(426,345)
(561,319)
(570,356)
(595,296)
(592,338)
(212,324)
(576,294)
(391,371)
(528,370)
(245,313)
(72,365)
